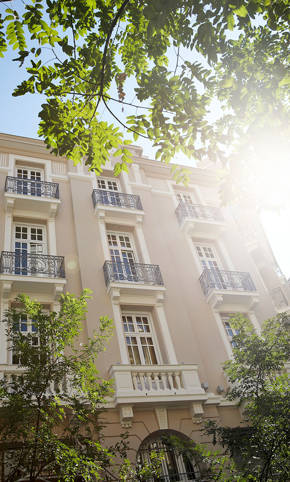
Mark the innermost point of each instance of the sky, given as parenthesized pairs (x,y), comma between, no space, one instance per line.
(19,116)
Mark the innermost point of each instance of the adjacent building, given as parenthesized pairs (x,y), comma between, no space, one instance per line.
(165,261)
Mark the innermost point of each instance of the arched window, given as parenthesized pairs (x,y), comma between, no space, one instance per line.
(178,464)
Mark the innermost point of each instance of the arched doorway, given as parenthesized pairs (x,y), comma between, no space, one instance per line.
(178,464)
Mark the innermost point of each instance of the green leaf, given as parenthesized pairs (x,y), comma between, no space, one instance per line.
(241,11)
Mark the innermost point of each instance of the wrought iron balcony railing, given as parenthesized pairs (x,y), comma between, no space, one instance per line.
(216,279)
(132,272)
(30,187)
(197,211)
(117,199)
(279,299)
(25,264)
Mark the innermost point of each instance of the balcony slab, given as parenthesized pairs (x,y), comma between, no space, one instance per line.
(48,289)
(202,228)
(117,207)
(168,385)
(32,206)
(199,220)
(228,300)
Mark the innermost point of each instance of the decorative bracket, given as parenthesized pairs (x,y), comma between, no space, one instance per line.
(126,416)
(197,412)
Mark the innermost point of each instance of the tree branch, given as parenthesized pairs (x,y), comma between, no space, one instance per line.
(117,17)
(122,124)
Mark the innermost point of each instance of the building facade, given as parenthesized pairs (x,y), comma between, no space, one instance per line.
(164,261)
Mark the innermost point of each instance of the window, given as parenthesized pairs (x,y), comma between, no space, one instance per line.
(29,181)
(207,256)
(177,464)
(109,192)
(28,240)
(107,184)
(26,327)
(230,330)
(184,197)
(140,339)
(123,256)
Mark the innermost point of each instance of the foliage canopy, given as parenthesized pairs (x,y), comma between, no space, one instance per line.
(51,400)
(260,446)
(155,67)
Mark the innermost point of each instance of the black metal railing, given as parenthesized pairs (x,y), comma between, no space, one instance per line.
(132,272)
(117,199)
(30,187)
(279,299)
(25,264)
(217,279)
(197,211)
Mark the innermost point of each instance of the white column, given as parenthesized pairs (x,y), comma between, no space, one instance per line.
(119,332)
(104,241)
(8,232)
(137,173)
(127,186)
(142,242)
(225,255)
(254,321)
(51,236)
(169,348)
(3,337)
(48,171)
(223,334)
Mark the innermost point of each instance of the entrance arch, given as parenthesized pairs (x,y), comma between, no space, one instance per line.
(178,464)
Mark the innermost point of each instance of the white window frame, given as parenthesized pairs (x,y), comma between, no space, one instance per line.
(139,334)
(131,239)
(184,195)
(210,245)
(29,226)
(29,331)
(107,180)
(29,169)
(225,318)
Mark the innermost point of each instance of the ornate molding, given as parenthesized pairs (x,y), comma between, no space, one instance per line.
(126,416)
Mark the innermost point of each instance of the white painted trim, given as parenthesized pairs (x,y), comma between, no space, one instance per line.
(142,243)
(119,332)
(223,334)
(44,242)
(119,247)
(104,241)
(125,178)
(106,178)
(222,249)
(165,333)
(152,334)
(253,319)
(51,236)
(8,232)
(33,160)
(189,239)
(137,174)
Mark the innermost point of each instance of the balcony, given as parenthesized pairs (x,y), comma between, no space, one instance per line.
(29,195)
(133,278)
(151,384)
(10,373)
(279,299)
(226,289)
(116,206)
(31,273)
(198,220)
